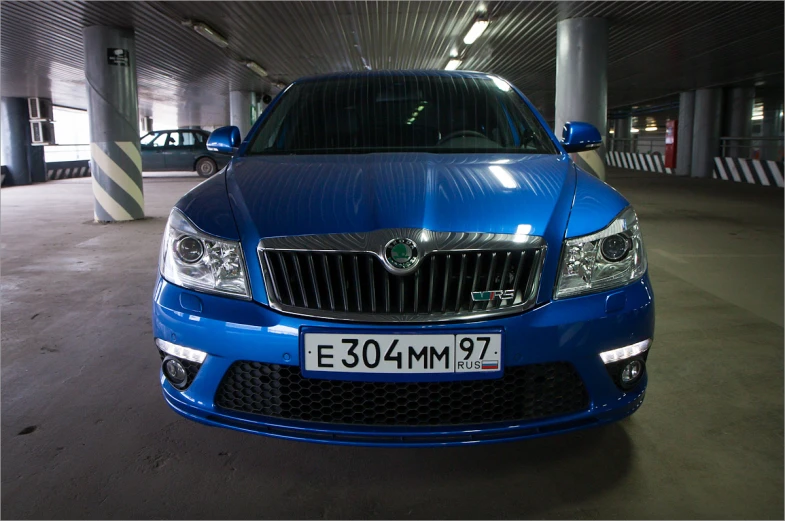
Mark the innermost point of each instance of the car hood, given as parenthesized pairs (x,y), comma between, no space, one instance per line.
(299,195)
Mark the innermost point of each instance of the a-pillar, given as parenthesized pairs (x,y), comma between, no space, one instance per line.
(24,161)
(738,121)
(706,131)
(113,109)
(582,82)
(684,133)
(240,110)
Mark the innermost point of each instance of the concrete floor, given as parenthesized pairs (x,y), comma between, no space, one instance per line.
(79,367)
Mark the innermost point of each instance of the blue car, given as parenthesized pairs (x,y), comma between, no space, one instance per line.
(407,259)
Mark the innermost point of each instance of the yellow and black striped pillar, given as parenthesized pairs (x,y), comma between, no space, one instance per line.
(115,153)
(582,82)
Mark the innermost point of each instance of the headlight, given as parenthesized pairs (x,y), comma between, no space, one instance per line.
(607,259)
(195,260)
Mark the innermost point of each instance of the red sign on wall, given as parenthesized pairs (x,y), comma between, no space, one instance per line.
(671,138)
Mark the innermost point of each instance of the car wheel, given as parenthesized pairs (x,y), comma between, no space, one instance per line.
(206,167)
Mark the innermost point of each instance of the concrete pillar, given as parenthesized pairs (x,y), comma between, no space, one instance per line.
(240,110)
(706,131)
(622,128)
(256,102)
(145,124)
(582,82)
(684,134)
(621,134)
(738,122)
(25,161)
(116,161)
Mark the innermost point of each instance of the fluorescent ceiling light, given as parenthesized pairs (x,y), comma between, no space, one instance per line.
(651,129)
(256,68)
(757,111)
(611,131)
(475,32)
(452,65)
(634,130)
(209,33)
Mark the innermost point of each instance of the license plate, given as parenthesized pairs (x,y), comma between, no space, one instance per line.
(403,353)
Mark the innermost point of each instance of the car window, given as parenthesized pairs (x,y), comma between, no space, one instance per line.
(391,113)
(148,138)
(187,139)
(200,138)
(161,140)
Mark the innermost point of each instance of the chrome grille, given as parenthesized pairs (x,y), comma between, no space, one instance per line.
(359,285)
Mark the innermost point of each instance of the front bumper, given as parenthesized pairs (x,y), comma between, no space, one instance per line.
(572,330)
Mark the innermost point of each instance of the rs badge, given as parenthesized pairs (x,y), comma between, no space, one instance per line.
(485,296)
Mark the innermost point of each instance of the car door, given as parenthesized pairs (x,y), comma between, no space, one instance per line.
(181,155)
(152,151)
(170,149)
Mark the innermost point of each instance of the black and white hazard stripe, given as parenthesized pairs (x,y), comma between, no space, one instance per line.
(753,171)
(67,170)
(637,161)
(117,180)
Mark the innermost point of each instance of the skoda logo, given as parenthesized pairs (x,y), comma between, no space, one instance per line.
(401,253)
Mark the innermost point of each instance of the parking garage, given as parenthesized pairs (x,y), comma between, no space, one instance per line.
(107,111)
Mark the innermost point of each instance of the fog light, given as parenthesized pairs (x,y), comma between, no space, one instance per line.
(175,372)
(631,373)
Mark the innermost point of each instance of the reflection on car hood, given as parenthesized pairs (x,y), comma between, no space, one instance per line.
(299,195)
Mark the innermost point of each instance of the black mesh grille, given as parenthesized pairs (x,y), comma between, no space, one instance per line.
(523,393)
(441,285)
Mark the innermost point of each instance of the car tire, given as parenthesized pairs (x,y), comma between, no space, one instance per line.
(206,167)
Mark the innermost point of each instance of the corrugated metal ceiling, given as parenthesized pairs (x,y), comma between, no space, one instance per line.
(655,48)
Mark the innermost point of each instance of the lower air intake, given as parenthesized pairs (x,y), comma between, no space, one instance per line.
(523,393)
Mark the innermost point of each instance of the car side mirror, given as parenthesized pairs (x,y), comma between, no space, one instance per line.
(578,136)
(224,139)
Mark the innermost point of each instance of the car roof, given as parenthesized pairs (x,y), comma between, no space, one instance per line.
(413,73)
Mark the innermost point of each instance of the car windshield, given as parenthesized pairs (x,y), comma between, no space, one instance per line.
(388,113)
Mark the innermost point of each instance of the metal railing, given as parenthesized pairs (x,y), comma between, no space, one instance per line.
(642,145)
(765,148)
